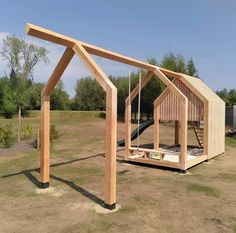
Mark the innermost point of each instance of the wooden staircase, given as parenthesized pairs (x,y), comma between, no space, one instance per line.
(198,129)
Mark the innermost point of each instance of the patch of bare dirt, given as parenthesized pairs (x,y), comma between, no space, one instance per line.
(18,147)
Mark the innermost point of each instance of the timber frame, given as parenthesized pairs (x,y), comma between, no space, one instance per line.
(196,103)
(84,51)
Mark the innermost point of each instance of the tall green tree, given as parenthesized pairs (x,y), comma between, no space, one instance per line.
(191,69)
(59,99)
(21,58)
(228,96)
(7,105)
(89,95)
(177,63)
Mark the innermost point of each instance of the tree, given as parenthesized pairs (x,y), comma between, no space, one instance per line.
(32,55)
(35,96)
(178,64)
(11,52)
(191,69)
(59,99)
(7,105)
(232,96)
(228,96)
(21,58)
(89,95)
(169,62)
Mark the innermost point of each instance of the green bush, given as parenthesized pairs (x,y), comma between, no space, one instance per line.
(102,115)
(26,131)
(7,137)
(9,109)
(54,133)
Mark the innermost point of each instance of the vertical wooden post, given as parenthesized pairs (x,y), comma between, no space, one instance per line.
(127,127)
(176,132)
(111,124)
(111,137)
(156,125)
(205,129)
(19,124)
(183,135)
(45,141)
(38,139)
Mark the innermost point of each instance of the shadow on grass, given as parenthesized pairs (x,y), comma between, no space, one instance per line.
(36,182)
(69,183)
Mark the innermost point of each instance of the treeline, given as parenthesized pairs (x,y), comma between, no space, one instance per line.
(19,91)
(90,96)
(229,96)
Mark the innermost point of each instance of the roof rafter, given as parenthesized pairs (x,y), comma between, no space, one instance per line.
(60,39)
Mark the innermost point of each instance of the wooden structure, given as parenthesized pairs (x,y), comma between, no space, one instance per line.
(83,51)
(199,105)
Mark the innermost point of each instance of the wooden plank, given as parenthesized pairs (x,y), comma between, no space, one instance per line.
(96,71)
(156,126)
(169,84)
(111,140)
(206,128)
(162,163)
(183,134)
(176,132)
(127,127)
(48,35)
(111,122)
(45,139)
(196,161)
(162,96)
(58,71)
(57,38)
(158,150)
(171,103)
(193,89)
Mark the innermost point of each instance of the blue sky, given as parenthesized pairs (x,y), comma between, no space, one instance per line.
(204,30)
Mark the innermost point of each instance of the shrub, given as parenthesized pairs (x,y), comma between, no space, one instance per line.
(54,134)
(9,109)
(7,137)
(102,115)
(26,131)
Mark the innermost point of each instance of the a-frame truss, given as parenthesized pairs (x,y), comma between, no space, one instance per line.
(83,51)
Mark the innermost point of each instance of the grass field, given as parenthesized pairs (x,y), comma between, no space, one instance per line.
(151,199)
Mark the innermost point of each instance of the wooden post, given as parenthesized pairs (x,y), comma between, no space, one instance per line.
(111,124)
(183,135)
(83,51)
(176,132)
(45,141)
(206,128)
(156,125)
(45,115)
(19,124)
(111,138)
(128,102)
(38,139)
(127,127)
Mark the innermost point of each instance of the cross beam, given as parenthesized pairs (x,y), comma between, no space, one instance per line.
(60,39)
